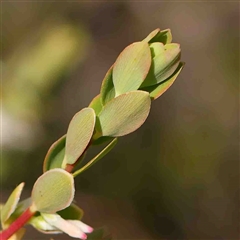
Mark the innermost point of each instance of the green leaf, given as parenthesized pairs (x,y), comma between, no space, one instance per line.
(151,35)
(79,134)
(165,37)
(157,90)
(72,212)
(96,104)
(124,114)
(55,155)
(107,91)
(163,65)
(53,191)
(131,67)
(11,203)
(105,151)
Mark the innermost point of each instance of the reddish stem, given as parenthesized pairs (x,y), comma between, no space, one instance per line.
(16,225)
(69,167)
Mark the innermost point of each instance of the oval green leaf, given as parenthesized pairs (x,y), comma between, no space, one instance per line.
(79,134)
(131,67)
(11,203)
(157,90)
(163,65)
(55,155)
(53,191)
(124,114)
(107,91)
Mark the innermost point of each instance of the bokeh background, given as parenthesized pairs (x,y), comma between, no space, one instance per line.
(177,177)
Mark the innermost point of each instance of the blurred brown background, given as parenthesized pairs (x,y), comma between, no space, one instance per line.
(177,177)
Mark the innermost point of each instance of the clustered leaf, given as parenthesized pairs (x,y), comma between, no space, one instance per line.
(143,72)
(156,91)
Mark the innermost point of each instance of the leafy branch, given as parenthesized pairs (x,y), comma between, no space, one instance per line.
(143,72)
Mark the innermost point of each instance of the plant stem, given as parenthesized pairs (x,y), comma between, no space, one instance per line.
(100,155)
(17,224)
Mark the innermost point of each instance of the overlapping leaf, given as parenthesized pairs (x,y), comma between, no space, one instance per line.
(157,48)
(124,114)
(131,67)
(164,36)
(157,90)
(163,65)
(79,134)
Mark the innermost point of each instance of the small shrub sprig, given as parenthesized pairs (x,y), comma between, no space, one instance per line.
(142,72)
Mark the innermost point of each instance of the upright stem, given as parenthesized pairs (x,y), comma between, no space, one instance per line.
(17,224)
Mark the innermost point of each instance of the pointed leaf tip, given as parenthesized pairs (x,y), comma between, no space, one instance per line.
(11,203)
(151,35)
(164,36)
